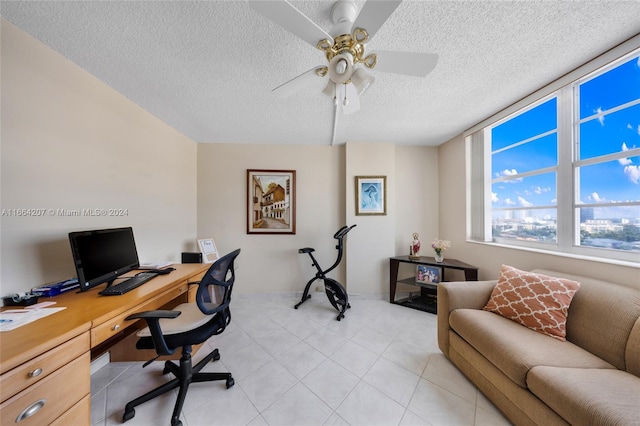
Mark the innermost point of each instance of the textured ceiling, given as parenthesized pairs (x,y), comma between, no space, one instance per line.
(207,67)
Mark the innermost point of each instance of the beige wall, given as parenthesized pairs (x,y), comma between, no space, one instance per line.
(71,142)
(452,219)
(412,176)
(271,263)
(325,177)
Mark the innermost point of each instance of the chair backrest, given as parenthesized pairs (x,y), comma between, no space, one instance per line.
(214,291)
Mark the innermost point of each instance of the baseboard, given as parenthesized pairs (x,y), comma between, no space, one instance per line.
(100,362)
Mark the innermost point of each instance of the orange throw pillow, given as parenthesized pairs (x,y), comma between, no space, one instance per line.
(537,301)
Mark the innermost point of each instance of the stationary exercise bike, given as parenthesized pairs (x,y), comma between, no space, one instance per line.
(336,293)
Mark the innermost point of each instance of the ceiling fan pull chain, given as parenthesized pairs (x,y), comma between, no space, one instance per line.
(345,101)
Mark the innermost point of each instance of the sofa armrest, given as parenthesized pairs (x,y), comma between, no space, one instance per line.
(459,295)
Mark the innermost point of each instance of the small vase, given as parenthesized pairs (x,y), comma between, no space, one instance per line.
(439,258)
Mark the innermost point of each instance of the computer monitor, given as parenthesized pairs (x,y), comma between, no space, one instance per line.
(102,255)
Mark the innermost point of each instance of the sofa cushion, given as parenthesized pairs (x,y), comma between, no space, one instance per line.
(539,302)
(515,349)
(586,396)
(601,318)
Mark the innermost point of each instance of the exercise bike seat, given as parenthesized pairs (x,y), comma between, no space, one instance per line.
(306,250)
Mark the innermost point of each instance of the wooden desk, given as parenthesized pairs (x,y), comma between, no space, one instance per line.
(46,363)
(427,299)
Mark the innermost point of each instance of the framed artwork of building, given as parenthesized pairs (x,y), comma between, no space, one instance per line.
(271,201)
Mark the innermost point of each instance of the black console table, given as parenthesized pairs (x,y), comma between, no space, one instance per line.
(426,301)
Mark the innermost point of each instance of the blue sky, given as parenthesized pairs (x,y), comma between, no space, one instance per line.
(604,132)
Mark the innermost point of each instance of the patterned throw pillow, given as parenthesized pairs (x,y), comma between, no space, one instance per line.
(537,301)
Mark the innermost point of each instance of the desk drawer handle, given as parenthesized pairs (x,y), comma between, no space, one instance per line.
(31,410)
(115,327)
(35,373)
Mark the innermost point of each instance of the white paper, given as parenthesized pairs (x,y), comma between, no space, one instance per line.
(14,318)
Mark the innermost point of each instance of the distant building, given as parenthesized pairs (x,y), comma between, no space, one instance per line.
(586,213)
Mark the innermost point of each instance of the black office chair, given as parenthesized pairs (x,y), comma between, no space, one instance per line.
(186,325)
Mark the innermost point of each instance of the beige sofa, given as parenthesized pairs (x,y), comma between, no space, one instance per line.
(591,379)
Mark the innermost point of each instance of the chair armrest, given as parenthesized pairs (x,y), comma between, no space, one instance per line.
(459,295)
(154,314)
(153,322)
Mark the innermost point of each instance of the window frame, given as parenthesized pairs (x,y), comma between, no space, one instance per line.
(567,168)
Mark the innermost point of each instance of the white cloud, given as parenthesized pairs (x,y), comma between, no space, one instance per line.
(509,202)
(494,197)
(624,161)
(539,190)
(632,173)
(508,172)
(524,203)
(596,197)
(601,117)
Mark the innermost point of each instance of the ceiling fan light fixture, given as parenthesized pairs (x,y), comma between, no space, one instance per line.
(341,68)
(329,89)
(361,80)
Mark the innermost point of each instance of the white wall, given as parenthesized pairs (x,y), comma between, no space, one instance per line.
(71,142)
(452,205)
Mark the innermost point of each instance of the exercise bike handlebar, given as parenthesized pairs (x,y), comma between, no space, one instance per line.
(339,236)
(343,231)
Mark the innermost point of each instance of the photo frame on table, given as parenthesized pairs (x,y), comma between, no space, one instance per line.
(271,202)
(371,195)
(209,250)
(428,274)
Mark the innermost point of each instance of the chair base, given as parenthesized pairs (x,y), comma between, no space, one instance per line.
(185,374)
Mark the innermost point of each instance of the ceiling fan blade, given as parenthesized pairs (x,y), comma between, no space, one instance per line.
(296,83)
(353,100)
(291,19)
(374,13)
(407,63)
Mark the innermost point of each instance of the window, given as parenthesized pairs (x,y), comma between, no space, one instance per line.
(563,173)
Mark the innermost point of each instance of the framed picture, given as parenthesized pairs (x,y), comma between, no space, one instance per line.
(371,195)
(271,201)
(208,250)
(428,274)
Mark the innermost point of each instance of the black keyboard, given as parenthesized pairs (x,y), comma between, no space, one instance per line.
(128,284)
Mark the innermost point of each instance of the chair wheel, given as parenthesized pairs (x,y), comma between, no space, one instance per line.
(216,356)
(128,414)
(230,382)
(177,423)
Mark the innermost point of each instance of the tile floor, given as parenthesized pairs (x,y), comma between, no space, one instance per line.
(380,365)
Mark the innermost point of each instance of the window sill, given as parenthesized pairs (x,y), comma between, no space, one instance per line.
(561,254)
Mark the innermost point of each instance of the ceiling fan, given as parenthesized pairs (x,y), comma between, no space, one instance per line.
(344,48)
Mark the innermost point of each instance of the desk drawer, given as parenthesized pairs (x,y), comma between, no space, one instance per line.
(31,372)
(103,332)
(79,414)
(54,395)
